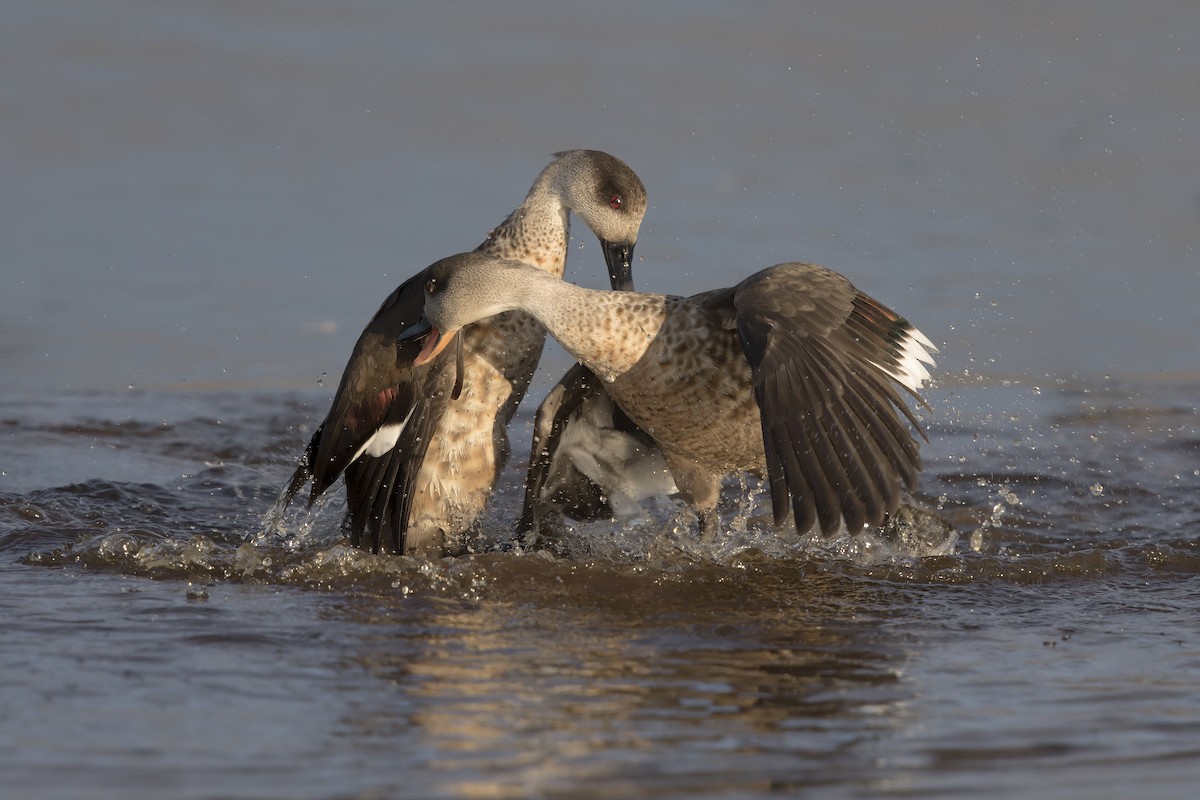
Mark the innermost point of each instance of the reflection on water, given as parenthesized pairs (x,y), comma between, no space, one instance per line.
(549,701)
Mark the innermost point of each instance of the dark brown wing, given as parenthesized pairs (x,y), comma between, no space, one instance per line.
(380,387)
(380,490)
(835,442)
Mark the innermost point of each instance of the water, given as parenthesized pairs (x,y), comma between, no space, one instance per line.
(203,205)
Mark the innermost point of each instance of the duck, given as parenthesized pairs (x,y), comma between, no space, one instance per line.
(792,375)
(588,460)
(421,446)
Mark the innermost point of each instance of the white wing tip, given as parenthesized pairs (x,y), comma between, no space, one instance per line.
(915,352)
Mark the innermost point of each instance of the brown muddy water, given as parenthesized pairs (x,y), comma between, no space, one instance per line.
(202,204)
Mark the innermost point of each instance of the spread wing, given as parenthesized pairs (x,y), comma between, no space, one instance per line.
(376,431)
(826,360)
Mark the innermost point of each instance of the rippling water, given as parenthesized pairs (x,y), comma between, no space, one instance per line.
(203,204)
(191,644)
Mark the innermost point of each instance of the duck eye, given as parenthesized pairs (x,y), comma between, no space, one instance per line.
(615,201)
(431,286)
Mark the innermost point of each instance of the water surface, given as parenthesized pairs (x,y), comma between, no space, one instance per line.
(203,204)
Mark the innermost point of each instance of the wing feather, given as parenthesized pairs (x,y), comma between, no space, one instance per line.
(380,386)
(824,359)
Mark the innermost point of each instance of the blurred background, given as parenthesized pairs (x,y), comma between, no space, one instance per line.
(219,195)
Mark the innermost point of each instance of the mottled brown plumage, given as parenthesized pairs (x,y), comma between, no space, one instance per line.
(419,463)
(791,374)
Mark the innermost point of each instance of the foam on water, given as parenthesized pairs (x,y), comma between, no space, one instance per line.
(1012,494)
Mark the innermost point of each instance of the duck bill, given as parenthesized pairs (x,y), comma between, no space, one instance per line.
(619,258)
(435,343)
(435,340)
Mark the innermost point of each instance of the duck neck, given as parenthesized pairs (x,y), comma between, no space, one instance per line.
(607,332)
(537,231)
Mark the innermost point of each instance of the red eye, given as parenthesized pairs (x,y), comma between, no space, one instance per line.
(615,201)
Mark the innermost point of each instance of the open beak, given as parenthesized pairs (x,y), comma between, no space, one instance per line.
(435,340)
(619,258)
(434,343)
